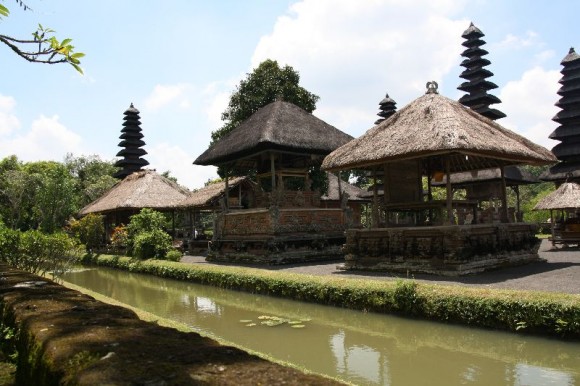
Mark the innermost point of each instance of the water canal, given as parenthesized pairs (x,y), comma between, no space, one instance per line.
(362,348)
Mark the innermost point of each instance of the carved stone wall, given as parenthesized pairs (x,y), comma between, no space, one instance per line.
(278,236)
(446,250)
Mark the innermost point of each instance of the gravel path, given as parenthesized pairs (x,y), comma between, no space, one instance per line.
(560,272)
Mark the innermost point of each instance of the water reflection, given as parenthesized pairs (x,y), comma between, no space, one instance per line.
(366,349)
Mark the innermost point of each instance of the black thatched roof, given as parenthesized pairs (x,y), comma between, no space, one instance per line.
(513,175)
(278,126)
(434,126)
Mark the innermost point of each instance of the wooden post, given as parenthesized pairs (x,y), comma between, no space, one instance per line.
(227,191)
(339,188)
(375,213)
(449,191)
(386,190)
(273,171)
(552,226)
(504,207)
(519,214)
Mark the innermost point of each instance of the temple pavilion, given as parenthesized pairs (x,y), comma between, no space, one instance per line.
(430,138)
(281,146)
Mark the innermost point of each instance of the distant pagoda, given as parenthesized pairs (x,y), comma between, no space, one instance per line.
(131,142)
(475,75)
(568,133)
(387,108)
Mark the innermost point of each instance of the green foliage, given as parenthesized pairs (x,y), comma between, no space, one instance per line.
(9,244)
(54,201)
(44,47)
(173,255)
(151,244)
(93,177)
(90,230)
(37,252)
(145,235)
(532,312)
(40,253)
(266,83)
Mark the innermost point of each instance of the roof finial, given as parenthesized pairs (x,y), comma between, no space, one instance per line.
(571,50)
(432,87)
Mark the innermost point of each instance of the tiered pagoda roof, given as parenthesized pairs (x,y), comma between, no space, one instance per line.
(387,108)
(476,75)
(568,133)
(131,142)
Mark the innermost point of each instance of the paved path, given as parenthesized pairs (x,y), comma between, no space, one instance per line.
(560,272)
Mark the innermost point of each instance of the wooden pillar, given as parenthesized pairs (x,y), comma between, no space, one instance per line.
(339,188)
(504,205)
(386,190)
(227,192)
(552,226)
(449,191)
(273,171)
(375,212)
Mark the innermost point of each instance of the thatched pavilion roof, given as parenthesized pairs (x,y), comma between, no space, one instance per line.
(513,176)
(354,192)
(279,126)
(142,189)
(567,196)
(207,195)
(433,125)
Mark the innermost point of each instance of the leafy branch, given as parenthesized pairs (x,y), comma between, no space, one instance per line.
(44,47)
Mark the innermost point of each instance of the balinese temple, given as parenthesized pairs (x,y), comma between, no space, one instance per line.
(476,85)
(436,136)
(142,189)
(132,143)
(568,133)
(387,107)
(484,186)
(280,144)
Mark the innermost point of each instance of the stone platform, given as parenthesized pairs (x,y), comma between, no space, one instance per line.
(443,250)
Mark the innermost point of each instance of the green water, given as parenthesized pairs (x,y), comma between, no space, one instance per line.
(362,348)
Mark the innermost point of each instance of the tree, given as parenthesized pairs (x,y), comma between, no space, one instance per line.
(264,85)
(55,200)
(44,47)
(93,176)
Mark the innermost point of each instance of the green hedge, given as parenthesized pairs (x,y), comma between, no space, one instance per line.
(522,311)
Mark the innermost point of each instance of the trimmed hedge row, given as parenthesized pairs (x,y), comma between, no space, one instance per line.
(522,311)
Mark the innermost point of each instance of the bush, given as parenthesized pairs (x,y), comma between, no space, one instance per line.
(9,244)
(90,230)
(155,243)
(144,235)
(173,255)
(119,238)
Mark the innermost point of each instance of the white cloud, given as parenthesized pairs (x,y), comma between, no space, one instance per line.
(162,95)
(48,139)
(8,121)
(511,41)
(357,51)
(164,157)
(529,105)
(217,96)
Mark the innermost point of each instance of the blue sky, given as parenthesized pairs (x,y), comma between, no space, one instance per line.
(179,61)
